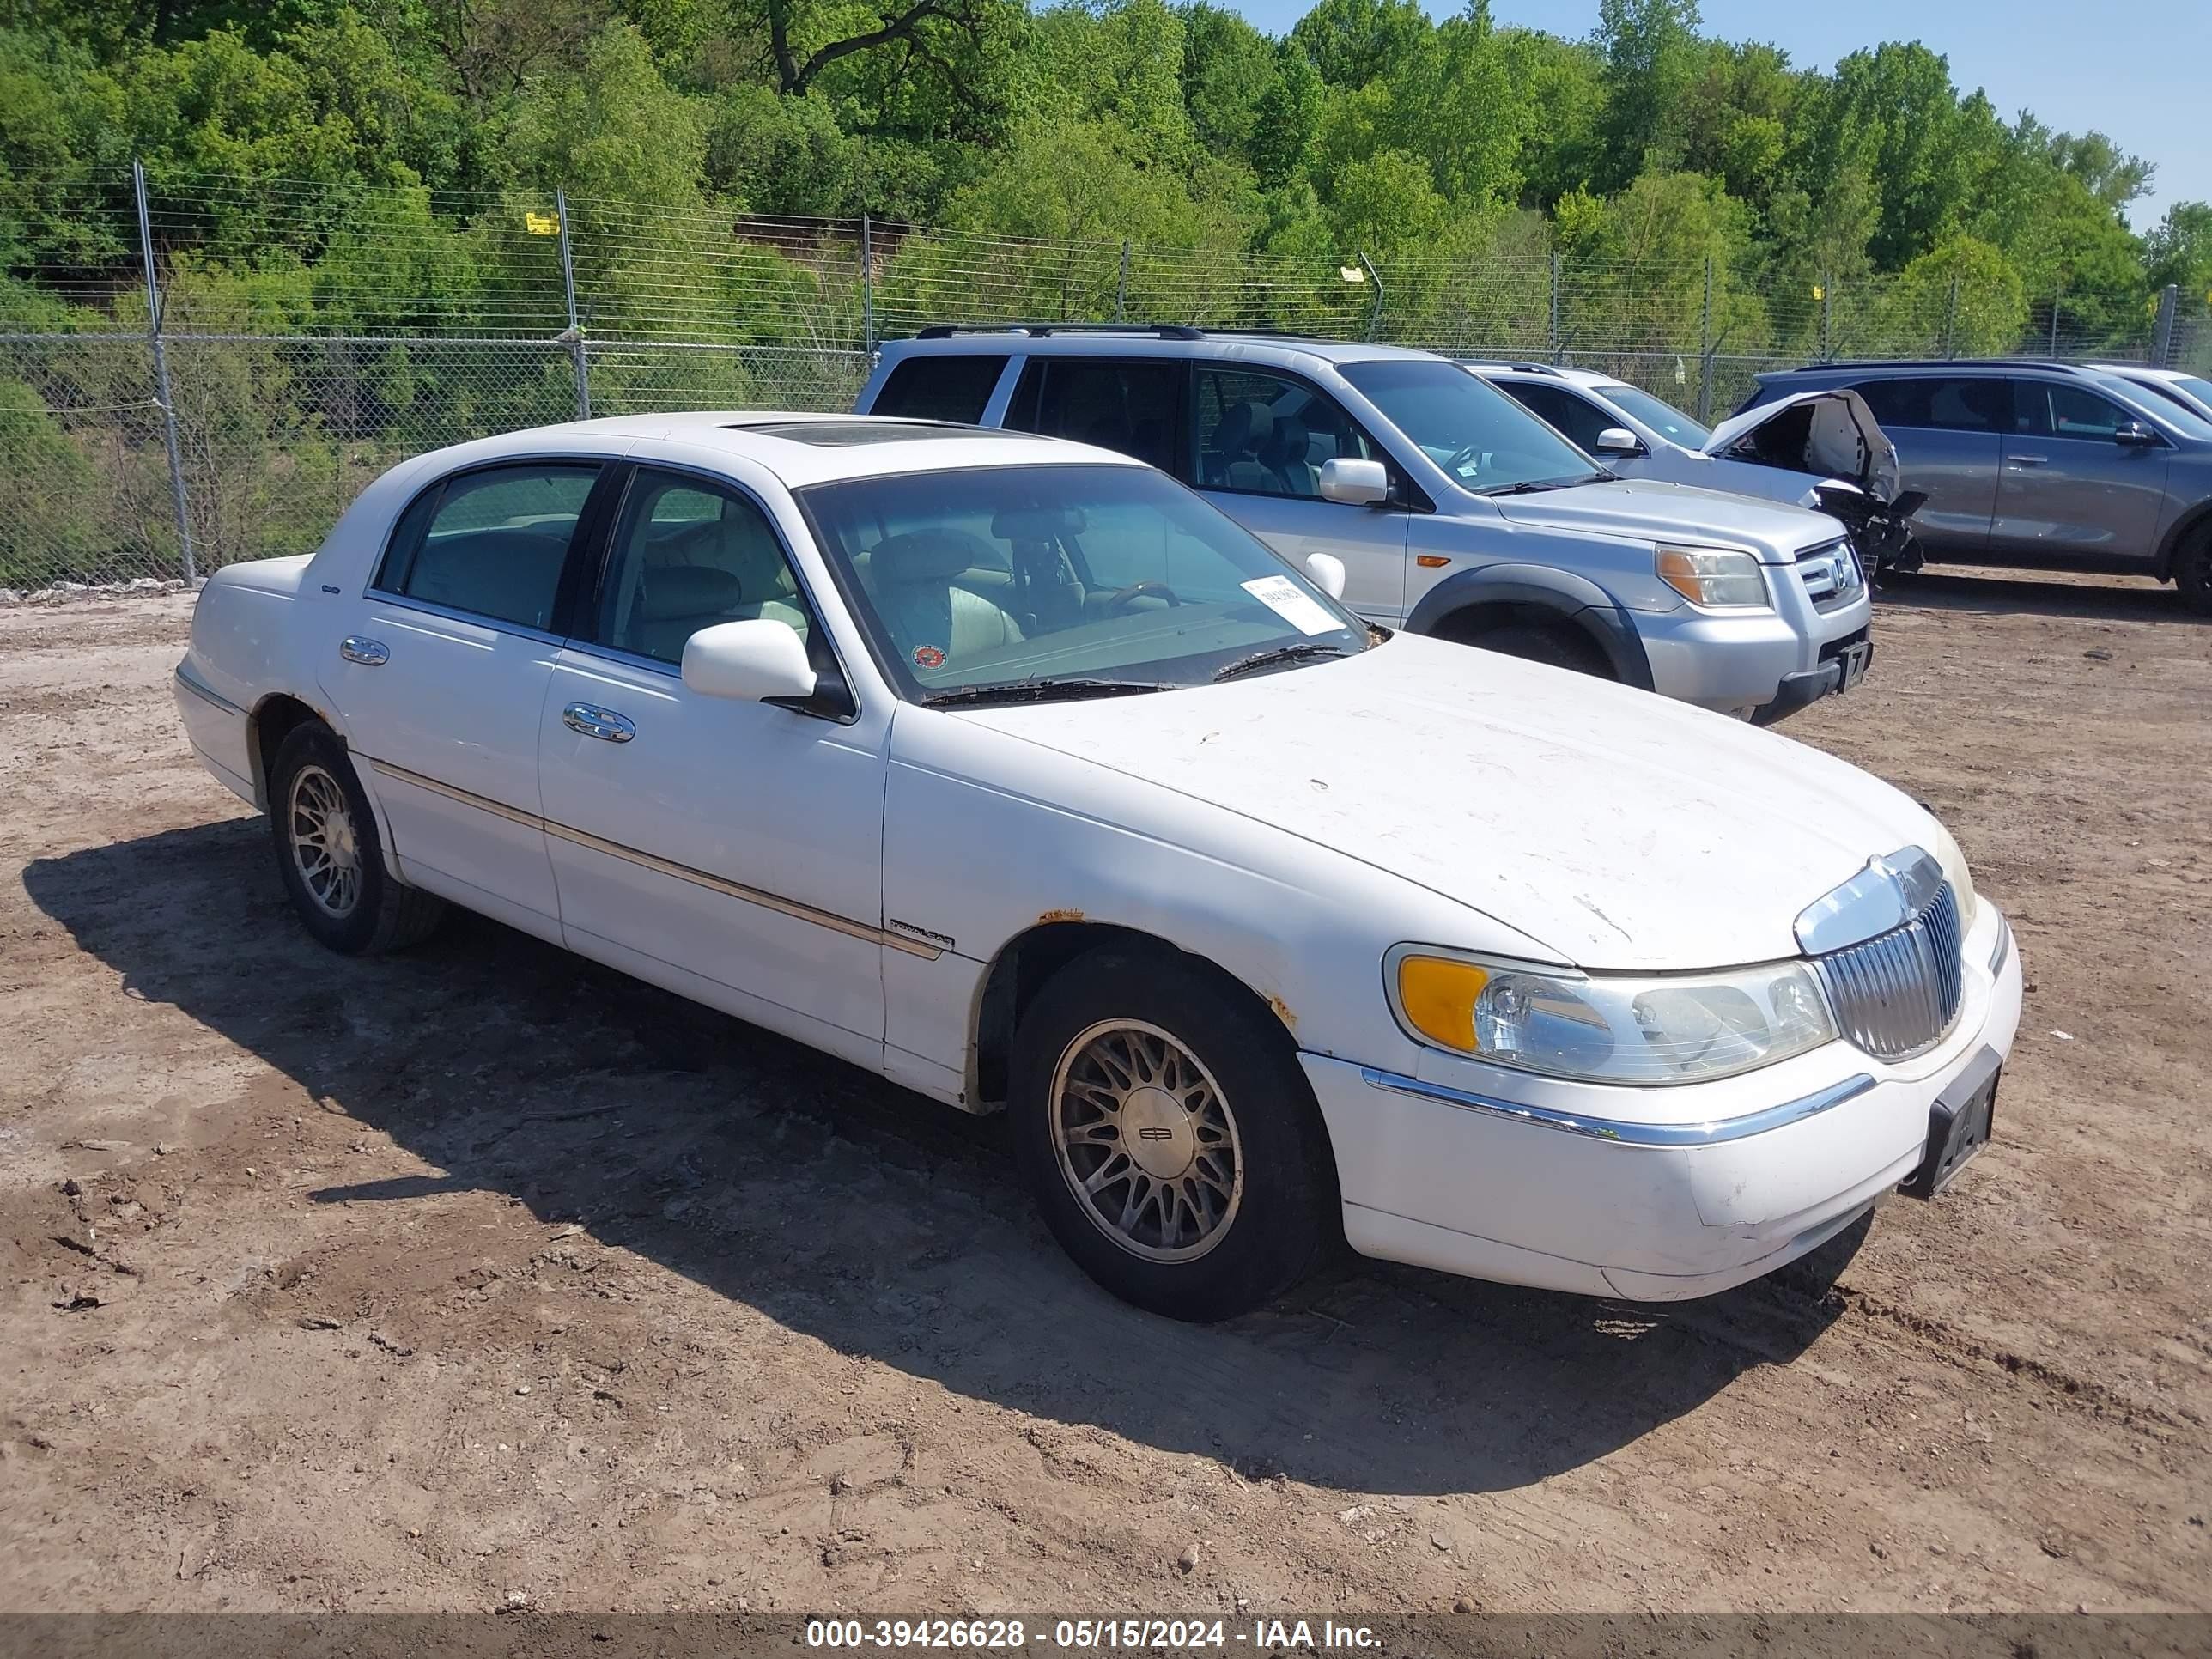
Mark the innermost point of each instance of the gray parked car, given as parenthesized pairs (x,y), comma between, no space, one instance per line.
(1425,498)
(2057,465)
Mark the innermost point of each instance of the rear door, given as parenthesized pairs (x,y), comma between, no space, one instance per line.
(1949,431)
(439,670)
(2069,487)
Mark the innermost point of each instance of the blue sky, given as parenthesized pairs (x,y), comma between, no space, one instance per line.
(2134,72)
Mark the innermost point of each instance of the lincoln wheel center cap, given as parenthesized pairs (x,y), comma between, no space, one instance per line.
(1156,1133)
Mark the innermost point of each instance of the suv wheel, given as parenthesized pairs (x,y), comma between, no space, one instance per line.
(1535,642)
(328,853)
(1168,1136)
(2192,572)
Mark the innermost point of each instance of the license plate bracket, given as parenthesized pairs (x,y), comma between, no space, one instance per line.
(1855,659)
(1959,1127)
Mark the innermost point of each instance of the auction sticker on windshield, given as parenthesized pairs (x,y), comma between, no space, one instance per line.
(1287,600)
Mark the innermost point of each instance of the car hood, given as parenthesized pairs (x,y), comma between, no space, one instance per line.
(1621,829)
(1649,509)
(1843,439)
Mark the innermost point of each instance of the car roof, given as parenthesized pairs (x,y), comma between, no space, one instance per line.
(800,447)
(1524,369)
(2141,371)
(1855,368)
(1135,339)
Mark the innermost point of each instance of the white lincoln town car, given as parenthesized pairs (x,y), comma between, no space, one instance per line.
(1013,770)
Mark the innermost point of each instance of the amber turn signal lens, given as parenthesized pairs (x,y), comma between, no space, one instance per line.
(1438,996)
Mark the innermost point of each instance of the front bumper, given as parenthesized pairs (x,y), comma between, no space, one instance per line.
(1738,663)
(1802,689)
(1712,1185)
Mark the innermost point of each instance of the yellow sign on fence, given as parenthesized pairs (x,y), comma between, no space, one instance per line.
(542,224)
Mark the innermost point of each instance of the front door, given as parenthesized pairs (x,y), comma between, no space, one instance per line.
(1259,441)
(731,850)
(2069,487)
(439,670)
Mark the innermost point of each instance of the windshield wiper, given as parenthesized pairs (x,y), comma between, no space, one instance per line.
(1534,486)
(1269,659)
(1043,690)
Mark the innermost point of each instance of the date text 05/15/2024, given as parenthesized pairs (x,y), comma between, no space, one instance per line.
(1094,1634)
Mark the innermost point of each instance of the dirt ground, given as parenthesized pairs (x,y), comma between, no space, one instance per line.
(425,1282)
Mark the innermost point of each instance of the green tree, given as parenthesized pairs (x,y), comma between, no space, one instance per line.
(618,131)
(1651,51)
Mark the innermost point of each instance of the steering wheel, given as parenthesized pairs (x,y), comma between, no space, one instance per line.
(1122,597)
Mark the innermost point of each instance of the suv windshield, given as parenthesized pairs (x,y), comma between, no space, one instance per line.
(1658,414)
(1033,583)
(1483,440)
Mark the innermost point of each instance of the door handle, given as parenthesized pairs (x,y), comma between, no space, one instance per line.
(2026,460)
(593,721)
(369,653)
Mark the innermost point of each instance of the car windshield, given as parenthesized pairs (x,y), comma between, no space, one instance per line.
(1482,439)
(1657,414)
(1010,583)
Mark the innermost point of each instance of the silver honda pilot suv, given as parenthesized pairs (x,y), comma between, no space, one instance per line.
(1452,510)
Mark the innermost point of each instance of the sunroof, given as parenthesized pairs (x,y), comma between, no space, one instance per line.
(843,434)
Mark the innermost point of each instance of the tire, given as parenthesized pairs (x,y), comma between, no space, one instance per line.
(1533,643)
(329,855)
(2193,573)
(1258,1188)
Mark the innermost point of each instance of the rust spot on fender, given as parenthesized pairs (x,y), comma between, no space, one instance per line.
(1283,1012)
(1059,915)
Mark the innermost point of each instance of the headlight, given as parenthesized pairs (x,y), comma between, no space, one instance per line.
(1609,1028)
(1716,576)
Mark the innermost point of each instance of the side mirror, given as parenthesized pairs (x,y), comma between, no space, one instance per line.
(747,662)
(1618,440)
(1327,570)
(2134,435)
(1354,483)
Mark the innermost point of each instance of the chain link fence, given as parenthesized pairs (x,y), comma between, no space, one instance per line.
(195,370)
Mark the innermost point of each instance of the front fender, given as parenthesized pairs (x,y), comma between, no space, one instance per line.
(1576,601)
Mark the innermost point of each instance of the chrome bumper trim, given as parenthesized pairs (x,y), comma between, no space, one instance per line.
(2003,948)
(1621,1133)
(204,695)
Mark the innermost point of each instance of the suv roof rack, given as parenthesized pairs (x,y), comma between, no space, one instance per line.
(1932,362)
(1162,330)
(1517,366)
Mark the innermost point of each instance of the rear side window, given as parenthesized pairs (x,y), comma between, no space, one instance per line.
(932,387)
(1958,404)
(1128,407)
(491,543)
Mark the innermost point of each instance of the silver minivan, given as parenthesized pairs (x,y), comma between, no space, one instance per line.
(1451,509)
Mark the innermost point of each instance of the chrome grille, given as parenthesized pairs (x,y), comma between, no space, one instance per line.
(1831,573)
(1896,995)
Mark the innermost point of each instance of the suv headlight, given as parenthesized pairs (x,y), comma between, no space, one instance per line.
(1609,1027)
(1721,577)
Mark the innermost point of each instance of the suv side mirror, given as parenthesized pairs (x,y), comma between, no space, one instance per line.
(1353,482)
(2134,435)
(747,662)
(1618,440)
(1327,573)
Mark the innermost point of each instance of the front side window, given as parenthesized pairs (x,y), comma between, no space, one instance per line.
(933,386)
(1128,407)
(1268,434)
(688,554)
(2043,409)
(491,543)
(1482,440)
(1037,582)
(1576,418)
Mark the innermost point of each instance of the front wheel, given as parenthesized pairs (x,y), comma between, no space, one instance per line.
(1168,1136)
(328,853)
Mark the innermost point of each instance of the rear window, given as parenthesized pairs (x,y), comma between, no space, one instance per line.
(940,386)
(1961,405)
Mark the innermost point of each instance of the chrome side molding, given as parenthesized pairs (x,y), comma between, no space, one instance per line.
(1623,1133)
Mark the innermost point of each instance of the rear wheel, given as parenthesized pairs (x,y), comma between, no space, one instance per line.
(329,855)
(1168,1136)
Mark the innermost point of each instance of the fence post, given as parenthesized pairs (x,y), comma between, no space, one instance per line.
(569,291)
(1705,351)
(1951,320)
(868,285)
(161,378)
(1375,313)
(1558,352)
(2161,332)
(1827,287)
(1122,288)
(2055,299)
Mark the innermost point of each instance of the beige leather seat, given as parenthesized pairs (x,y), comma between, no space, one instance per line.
(915,580)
